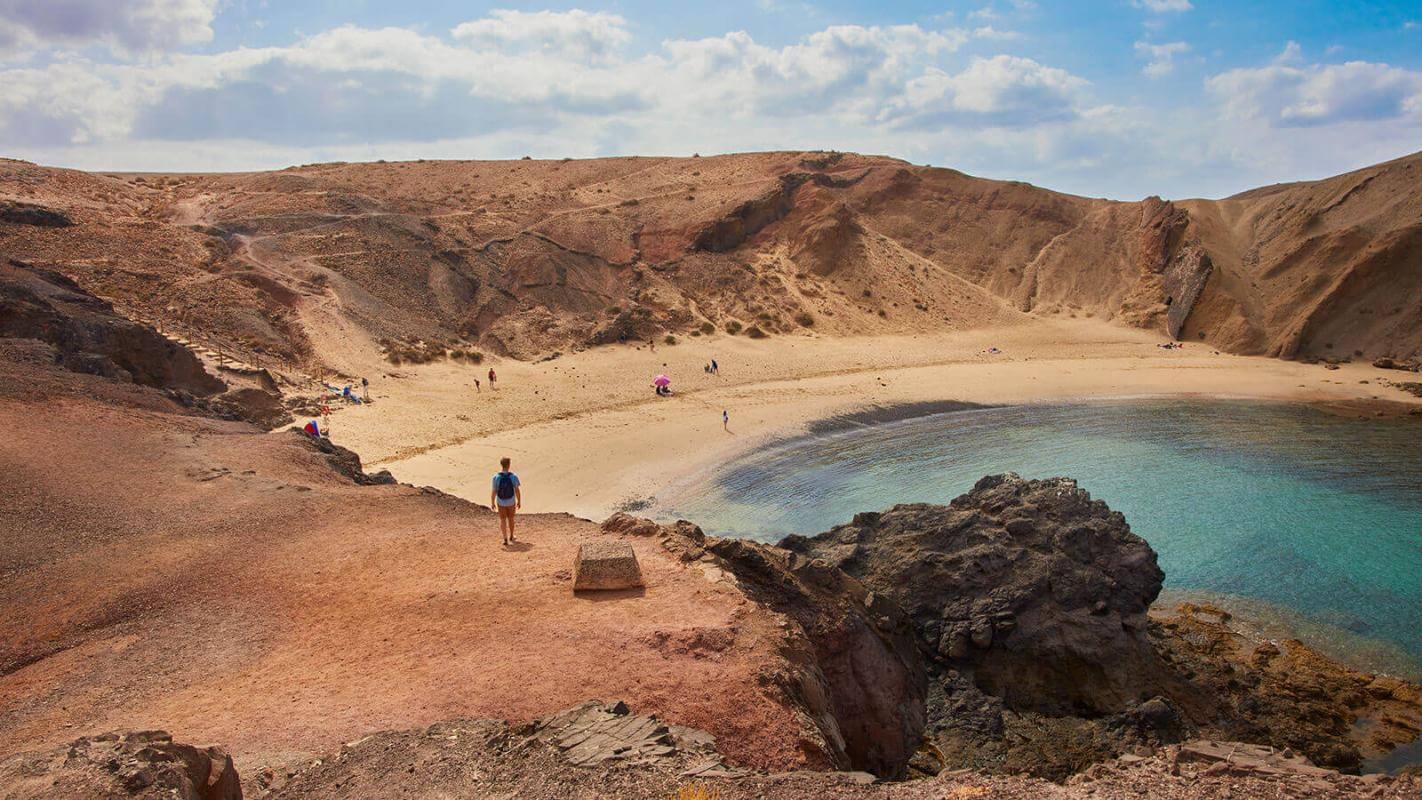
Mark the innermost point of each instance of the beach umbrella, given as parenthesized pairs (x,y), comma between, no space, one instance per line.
(662,380)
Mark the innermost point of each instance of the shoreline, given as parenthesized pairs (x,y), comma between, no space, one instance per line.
(588,439)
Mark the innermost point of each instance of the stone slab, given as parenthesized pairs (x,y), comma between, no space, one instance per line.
(606,566)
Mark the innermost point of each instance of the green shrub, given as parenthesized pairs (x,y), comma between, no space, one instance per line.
(733,327)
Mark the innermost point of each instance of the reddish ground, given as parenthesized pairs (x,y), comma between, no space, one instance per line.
(172,571)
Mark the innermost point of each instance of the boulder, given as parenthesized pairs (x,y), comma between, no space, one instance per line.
(1032,588)
(606,566)
(141,764)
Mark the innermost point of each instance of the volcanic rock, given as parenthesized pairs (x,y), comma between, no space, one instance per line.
(1036,590)
(143,764)
(90,336)
(857,674)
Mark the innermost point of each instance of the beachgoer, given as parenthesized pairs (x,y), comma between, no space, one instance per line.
(725,420)
(492,378)
(652,345)
(715,368)
(365,389)
(506,498)
(478,387)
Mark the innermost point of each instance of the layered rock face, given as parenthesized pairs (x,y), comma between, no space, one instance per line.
(89,336)
(1031,588)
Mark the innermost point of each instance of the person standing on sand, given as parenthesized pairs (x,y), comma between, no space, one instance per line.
(365,389)
(492,378)
(506,498)
(478,387)
(725,420)
(715,368)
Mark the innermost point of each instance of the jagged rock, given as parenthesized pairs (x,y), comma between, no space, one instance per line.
(344,460)
(857,676)
(595,733)
(606,566)
(1035,589)
(143,764)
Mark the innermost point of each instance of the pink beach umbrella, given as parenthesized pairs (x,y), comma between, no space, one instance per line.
(661,380)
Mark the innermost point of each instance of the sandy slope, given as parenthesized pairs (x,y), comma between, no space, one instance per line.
(159,569)
(587,434)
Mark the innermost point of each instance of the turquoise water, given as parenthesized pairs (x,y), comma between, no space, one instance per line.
(1316,514)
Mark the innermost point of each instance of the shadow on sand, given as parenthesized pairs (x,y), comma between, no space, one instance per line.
(603,595)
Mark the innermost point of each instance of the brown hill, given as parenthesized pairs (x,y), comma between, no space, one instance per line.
(526,257)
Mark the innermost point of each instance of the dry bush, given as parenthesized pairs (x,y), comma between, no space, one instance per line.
(755,332)
(695,791)
(733,327)
(707,328)
(805,319)
(670,339)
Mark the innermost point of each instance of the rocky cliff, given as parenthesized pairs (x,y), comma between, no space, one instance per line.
(1030,602)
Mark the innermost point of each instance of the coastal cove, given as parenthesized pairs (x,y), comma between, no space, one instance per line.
(1309,518)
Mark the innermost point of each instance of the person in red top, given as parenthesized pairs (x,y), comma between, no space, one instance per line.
(492,378)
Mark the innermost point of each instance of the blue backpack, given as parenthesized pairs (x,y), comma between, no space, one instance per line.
(506,486)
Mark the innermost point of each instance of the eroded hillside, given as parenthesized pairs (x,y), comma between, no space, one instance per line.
(523,258)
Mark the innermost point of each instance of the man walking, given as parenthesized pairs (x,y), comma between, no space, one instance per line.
(492,378)
(506,498)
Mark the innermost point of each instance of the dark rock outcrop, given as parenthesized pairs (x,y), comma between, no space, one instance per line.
(860,679)
(143,764)
(1033,589)
(344,460)
(90,336)
(18,213)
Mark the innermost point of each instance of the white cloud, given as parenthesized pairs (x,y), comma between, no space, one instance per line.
(1284,95)
(126,26)
(1291,54)
(989,32)
(575,33)
(1002,91)
(1162,57)
(1163,6)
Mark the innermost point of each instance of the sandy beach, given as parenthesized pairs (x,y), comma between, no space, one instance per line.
(588,435)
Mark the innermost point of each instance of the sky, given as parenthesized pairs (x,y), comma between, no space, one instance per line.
(1104,98)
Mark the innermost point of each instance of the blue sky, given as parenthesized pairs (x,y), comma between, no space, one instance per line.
(1117,98)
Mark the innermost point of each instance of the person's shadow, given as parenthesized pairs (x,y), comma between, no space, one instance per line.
(519,546)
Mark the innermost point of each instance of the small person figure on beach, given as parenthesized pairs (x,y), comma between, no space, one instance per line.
(715,368)
(365,389)
(492,378)
(478,387)
(725,420)
(507,498)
